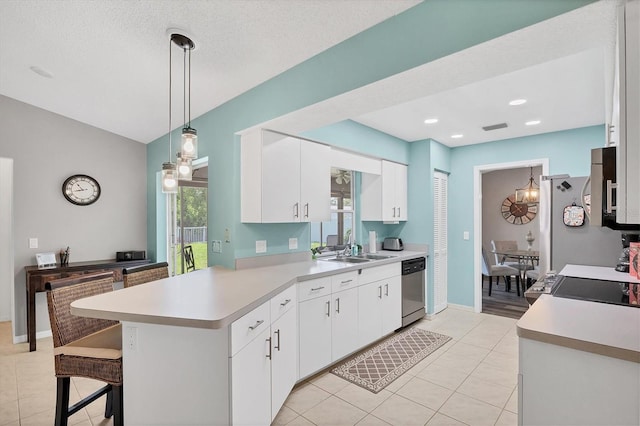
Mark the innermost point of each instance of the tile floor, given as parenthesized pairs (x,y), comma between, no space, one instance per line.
(470,380)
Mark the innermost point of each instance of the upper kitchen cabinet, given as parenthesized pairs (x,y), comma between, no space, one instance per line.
(626,114)
(283,179)
(384,197)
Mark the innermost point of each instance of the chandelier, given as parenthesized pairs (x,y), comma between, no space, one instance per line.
(530,194)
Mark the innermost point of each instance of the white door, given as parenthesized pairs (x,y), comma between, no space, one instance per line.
(280,179)
(369,318)
(314,334)
(315,190)
(284,340)
(391,304)
(6,239)
(439,241)
(344,325)
(251,382)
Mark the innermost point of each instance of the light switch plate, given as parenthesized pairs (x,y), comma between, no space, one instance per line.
(33,243)
(465,235)
(261,246)
(293,243)
(216,246)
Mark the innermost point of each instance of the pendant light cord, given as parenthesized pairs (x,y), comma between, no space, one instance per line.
(170,41)
(190,87)
(184,86)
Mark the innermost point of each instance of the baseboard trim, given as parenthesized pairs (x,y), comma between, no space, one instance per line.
(461,307)
(39,335)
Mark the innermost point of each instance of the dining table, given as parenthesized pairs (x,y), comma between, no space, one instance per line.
(527,260)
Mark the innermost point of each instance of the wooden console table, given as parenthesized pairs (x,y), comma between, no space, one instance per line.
(37,278)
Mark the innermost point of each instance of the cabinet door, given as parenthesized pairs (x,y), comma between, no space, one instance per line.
(389,207)
(369,318)
(401,191)
(314,334)
(391,304)
(315,185)
(280,178)
(284,340)
(344,323)
(251,383)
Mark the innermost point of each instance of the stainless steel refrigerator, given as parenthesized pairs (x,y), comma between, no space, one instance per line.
(584,245)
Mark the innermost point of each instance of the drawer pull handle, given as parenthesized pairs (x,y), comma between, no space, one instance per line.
(256,325)
(317,288)
(286,302)
(277,345)
(346,281)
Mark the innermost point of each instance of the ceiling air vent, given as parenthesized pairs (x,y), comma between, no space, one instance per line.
(495,127)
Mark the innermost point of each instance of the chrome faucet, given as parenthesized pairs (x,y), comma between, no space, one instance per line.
(344,253)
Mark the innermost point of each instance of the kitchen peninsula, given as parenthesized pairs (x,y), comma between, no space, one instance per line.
(579,361)
(217,346)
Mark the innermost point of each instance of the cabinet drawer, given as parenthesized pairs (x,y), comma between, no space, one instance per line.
(370,275)
(314,288)
(344,281)
(283,302)
(245,329)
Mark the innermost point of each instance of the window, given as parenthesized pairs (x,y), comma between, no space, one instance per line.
(339,231)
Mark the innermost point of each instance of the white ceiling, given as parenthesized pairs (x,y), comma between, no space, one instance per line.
(109,62)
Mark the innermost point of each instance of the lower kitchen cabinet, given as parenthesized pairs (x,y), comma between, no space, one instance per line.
(380,309)
(314,331)
(284,359)
(344,323)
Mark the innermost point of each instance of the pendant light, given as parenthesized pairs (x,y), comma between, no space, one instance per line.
(169,171)
(185,167)
(189,145)
(530,194)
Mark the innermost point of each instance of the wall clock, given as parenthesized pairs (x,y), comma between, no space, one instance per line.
(517,213)
(81,190)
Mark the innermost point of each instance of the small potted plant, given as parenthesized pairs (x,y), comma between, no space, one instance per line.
(315,251)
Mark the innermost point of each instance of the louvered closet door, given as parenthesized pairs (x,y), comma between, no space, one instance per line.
(439,241)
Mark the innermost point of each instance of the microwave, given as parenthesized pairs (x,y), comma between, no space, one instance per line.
(603,190)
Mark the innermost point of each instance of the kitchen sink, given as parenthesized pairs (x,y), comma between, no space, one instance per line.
(347,259)
(374,256)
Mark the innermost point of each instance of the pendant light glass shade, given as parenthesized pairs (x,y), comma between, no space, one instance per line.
(189,145)
(169,178)
(530,194)
(185,168)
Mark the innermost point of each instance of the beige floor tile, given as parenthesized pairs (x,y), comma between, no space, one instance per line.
(333,411)
(300,421)
(37,403)
(371,420)
(39,419)
(470,411)
(10,393)
(512,403)
(490,393)
(469,351)
(440,419)
(36,385)
(426,393)
(400,411)
(285,415)
(101,421)
(443,376)
(363,398)
(482,339)
(329,382)
(9,412)
(305,397)
(507,345)
(398,383)
(495,375)
(502,360)
(456,362)
(507,419)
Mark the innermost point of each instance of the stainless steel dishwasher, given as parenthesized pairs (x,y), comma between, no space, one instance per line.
(413,290)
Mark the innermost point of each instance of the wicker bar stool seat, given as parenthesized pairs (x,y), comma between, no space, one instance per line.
(84,347)
(145,273)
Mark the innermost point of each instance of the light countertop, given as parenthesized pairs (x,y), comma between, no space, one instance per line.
(600,328)
(213,297)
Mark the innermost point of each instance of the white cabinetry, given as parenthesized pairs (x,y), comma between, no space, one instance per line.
(314,325)
(626,112)
(380,303)
(283,179)
(344,323)
(384,197)
(263,351)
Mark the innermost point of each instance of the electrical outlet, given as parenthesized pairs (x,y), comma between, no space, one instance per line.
(261,246)
(132,338)
(33,243)
(465,235)
(293,243)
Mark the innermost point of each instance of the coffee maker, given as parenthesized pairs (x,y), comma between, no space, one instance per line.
(623,260)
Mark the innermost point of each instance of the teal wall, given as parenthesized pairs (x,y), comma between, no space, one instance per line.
(393,46)
(568,152)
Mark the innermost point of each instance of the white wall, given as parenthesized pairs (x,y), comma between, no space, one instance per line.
(47,148)
(6,237)
(496,186)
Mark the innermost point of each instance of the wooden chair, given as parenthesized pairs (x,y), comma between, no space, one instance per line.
(84,347)
(498,271)
(190,263)
(144,273)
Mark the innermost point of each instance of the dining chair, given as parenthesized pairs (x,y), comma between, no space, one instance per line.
(84,347)
(144,273)
(498,271)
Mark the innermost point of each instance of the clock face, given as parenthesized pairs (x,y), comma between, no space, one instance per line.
(518,213)
(81,190)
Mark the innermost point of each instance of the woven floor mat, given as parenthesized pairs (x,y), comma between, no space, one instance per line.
(374,368)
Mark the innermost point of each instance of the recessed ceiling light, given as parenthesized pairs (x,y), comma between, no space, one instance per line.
(431,121)
(457,136)
(516,102)
(40,71)
(532,122)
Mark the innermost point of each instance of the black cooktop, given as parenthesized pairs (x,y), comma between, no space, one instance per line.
(612,292)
